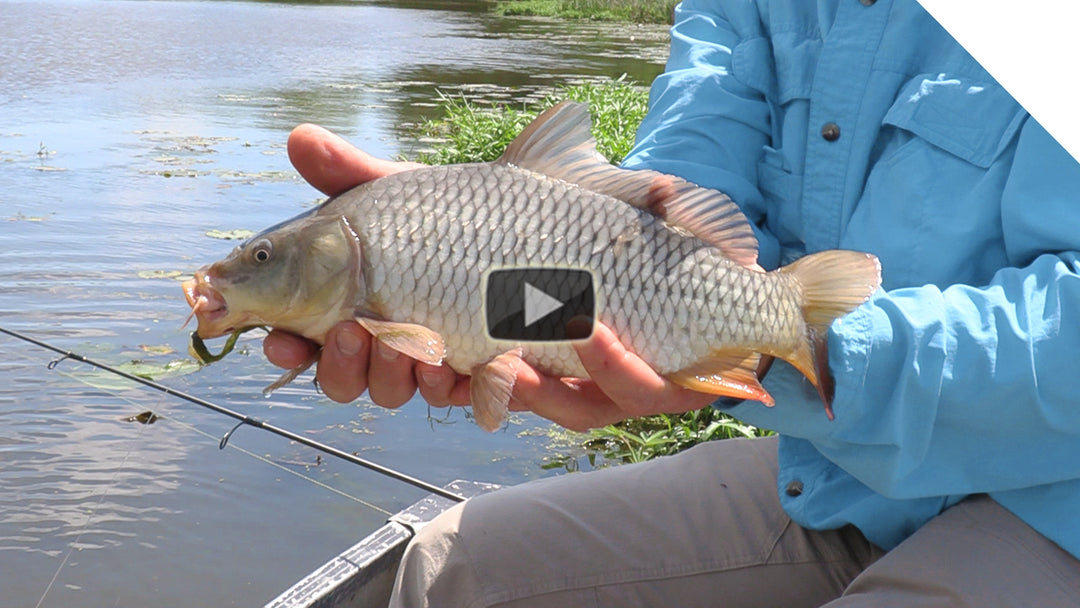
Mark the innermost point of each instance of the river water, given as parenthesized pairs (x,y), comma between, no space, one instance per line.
(128,131)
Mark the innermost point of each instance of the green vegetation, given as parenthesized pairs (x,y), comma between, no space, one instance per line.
(469,132)
(648,437)
(636,11)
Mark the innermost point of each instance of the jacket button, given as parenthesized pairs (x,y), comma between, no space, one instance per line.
(794,488)
(831,131)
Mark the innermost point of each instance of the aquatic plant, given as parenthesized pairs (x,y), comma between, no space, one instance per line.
(470,132)
(636,11)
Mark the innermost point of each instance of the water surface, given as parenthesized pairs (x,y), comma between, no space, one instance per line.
(128,130)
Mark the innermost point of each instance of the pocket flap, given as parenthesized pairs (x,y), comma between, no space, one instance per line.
(970,119)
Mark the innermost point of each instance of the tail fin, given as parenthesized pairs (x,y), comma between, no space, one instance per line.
(833,284)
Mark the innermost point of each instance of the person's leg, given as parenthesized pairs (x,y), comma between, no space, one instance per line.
(699,529)
(976,554)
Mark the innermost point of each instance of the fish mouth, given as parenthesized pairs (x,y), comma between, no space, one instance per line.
(207,306)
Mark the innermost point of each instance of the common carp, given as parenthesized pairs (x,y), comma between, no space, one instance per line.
(406,256)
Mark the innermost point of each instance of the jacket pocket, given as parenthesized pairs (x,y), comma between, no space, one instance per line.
(931,207)
(973,120)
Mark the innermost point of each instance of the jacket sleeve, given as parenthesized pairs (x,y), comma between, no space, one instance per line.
(966,389)
(708,119)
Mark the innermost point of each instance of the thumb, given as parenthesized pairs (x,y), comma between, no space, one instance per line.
(332,164)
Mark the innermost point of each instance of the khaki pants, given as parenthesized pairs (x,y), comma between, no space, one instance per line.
(705,528)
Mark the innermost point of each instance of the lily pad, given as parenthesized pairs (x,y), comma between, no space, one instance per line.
(162,274)
(157,349)
(239,234)
(149,370)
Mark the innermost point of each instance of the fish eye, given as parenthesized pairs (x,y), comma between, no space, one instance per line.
(261,250)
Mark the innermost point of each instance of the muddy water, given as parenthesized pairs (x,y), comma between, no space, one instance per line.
(129,130)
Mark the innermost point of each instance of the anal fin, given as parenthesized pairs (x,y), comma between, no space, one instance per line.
(490,388)
(725,374)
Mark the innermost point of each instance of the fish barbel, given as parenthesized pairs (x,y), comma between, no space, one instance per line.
(406,256)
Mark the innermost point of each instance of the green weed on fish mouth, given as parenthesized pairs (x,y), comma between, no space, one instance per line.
(197,347)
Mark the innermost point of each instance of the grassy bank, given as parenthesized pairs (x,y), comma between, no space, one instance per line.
(635,11)
(472,132)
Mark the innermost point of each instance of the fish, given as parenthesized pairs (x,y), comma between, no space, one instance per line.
(674,265)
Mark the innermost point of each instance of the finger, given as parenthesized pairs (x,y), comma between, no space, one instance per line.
(440,385)
(391,376)
(578,406)
(435,382)
(342,371)
(630,382)
(288,350)
(332,164)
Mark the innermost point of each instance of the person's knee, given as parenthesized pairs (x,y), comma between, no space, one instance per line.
(433,565)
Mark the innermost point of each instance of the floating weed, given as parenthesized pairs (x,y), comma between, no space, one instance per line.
(256,176)
(157,349)
(178,172)
(240,234)
(163,274)
(150,370)
(21,217)
(44,152)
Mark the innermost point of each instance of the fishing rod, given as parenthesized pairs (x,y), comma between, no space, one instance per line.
(242,418)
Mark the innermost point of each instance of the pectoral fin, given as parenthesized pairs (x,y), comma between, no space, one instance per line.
(726,374)
(409,339)
(490,388)
(290,375)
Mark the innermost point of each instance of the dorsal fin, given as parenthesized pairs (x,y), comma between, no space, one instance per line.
(559,144)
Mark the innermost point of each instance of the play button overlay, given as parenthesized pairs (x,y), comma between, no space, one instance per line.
(531,304)
(538,304)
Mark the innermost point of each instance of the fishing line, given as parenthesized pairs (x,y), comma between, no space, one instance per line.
(89,517)
(127,454)
(187,425)
(282,467)
(241,418)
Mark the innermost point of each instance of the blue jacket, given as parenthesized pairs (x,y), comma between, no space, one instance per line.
(962,375)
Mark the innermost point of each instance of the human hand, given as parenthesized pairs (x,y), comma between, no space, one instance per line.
(620,385)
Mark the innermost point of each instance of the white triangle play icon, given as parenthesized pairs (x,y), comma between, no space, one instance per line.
(538,304)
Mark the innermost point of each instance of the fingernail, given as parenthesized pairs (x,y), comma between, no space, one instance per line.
(579,327)
(386,352)
(348,344)
(431,378)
